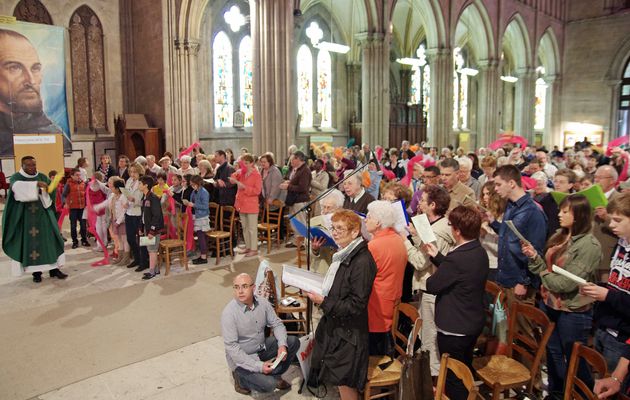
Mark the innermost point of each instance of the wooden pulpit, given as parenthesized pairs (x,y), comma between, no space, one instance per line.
(134,137)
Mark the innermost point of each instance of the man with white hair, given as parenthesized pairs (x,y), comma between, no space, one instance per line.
(465,177)
(548,168)
(357,199)
(606,177)
(151,165)
(390,254)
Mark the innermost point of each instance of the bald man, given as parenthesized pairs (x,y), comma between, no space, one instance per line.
(21,106)
(249,354)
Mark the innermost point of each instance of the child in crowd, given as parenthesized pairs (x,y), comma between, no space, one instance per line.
(74,198)
(117,204)
(161,188)
(152,225)
(98,192)
(199,201)
(82,165)
(133,215)
(57,200)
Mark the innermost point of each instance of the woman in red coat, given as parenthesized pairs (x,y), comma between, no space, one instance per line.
(390,254)
(249,183)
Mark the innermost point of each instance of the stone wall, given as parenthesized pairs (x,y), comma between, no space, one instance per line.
(589,98)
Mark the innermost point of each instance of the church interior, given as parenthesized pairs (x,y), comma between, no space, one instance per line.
(149,76)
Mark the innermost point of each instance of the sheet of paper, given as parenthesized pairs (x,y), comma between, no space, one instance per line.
(401,217)
(210,181)
(423,227)
(567,274)
(518,234)
(145,241)
(302,279)
(278,360)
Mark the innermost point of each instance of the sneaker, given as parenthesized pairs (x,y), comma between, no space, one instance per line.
(200,260)
(240,250)
(75,245)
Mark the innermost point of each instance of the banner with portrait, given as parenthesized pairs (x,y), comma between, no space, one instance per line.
(32,83)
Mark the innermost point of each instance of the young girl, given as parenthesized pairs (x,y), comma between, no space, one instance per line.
(117,205)
(199,201)
(83,164)
(98,192)
(133,219)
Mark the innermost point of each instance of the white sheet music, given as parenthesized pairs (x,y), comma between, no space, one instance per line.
(302,279)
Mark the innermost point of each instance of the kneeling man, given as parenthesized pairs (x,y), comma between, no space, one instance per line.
(249,354)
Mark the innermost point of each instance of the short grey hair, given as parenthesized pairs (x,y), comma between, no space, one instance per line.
(185,159)
(611,170)
(383,212)
(141,160)
(465,162)
(358,177)
(151,157)
(450,163)
(335,196)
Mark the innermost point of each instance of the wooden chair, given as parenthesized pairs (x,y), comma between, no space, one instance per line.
(399,338)
(384,372)
(302,310)
(170,248)
(221,240)
(461,371)
(575,388)
(214,216)
(272,220)
(503,372)
(493,293)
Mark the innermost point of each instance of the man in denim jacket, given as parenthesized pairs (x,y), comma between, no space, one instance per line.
(512,274)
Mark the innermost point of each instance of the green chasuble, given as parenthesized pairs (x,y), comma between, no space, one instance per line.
(30,234)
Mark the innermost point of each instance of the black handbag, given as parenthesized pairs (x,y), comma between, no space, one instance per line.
(415,379)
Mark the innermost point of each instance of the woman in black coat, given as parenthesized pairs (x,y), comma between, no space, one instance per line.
(459,284)
(340,355)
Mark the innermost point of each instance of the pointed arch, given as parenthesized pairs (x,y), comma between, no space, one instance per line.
(428,25)
(549,53)
(88,71)
(516,39)
(473,29)
(32,11)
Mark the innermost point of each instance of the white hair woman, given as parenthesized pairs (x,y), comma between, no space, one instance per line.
(389,252)
(322,255)
(186,168)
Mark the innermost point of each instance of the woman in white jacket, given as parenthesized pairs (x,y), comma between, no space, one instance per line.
(117,207)
(434,203)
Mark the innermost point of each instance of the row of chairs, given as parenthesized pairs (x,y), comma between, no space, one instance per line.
(224,231)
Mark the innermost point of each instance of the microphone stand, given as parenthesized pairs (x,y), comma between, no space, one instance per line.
(307,210)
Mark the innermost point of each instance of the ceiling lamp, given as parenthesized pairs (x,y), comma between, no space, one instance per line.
(469,71)
(333,47)
(415,62)
(509,78)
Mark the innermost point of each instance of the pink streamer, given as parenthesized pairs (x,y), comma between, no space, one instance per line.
(91,214)
(64,213)
(406,180)
(616,143)
(188,150)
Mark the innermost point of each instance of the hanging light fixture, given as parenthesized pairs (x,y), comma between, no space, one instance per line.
(332,46)
(508,78)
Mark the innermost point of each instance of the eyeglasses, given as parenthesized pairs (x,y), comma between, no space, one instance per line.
(244,286)
(603,177)
(338,230)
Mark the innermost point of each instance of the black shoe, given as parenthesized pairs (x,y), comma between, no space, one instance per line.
(85,243)
(37,277)
(200,260)
(133,264)
(75,245)
(140,268)
(147,276)
(56,273)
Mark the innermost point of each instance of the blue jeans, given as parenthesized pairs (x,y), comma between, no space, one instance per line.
(608,346)
(267,383)
(570,327)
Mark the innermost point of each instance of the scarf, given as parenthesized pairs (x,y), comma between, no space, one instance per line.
(337,259)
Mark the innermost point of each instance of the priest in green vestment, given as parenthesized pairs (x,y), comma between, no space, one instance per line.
(30,234)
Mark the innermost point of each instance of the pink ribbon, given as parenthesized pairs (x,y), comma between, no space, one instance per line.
(64,213)
(188,150)
(91,219)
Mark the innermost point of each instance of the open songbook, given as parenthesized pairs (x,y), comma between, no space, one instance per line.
(302,279)
(423,227)
(314,232)
(401,216)
(594,194)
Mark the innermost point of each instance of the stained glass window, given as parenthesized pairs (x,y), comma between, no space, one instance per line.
(305,85)
(222,64)
(540,106)
(246,79)
(460,90)
(426,90)
(324,84)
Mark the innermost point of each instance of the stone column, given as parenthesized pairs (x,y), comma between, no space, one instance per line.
(274,88)
(353,83)
(441,108)
(613,131)
(488,102)
(525,98)
(375,95)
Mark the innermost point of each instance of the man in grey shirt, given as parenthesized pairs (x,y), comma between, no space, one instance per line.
(249,354)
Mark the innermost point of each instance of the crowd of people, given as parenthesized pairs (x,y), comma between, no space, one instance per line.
(376,263)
